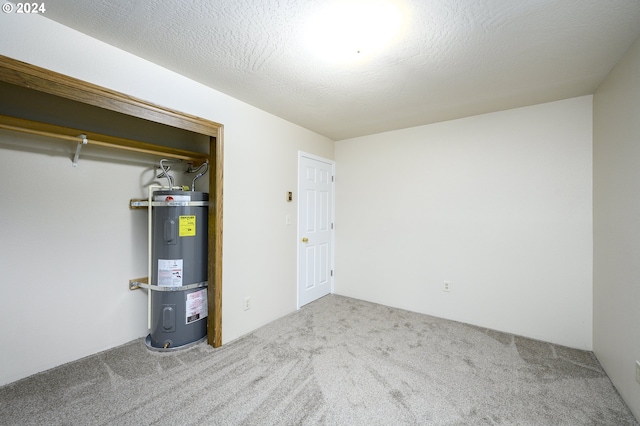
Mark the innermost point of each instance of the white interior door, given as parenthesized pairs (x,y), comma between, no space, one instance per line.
(315,228)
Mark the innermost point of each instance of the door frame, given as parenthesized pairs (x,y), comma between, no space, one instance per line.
(332,242)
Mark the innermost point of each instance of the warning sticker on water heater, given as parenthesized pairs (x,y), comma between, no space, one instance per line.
(187,226)
(170,272)
(196,306)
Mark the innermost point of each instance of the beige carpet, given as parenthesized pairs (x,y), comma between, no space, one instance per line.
(337,361)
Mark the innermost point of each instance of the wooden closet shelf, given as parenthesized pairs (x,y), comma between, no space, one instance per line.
(70,134)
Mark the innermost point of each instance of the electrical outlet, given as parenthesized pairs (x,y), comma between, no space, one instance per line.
(247,303)
(638,372)
(446,286)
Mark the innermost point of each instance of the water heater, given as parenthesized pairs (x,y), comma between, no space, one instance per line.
(178,269)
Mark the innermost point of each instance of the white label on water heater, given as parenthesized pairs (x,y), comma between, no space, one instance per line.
(170,272)
(196,306)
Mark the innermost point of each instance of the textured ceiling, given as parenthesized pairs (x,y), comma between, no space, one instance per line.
(451,59)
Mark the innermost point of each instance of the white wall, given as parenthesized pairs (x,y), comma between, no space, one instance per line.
(65,274)
(500,205)
(616,191)
(68,251)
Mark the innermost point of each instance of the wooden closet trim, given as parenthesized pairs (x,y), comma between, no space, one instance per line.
(30,76)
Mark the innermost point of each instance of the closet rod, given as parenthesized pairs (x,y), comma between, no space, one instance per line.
(73,135)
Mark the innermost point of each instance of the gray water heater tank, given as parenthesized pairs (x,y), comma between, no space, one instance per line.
(179,269)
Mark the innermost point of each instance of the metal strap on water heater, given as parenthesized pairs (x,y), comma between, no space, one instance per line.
(145,203)
(135,285)
(179,203)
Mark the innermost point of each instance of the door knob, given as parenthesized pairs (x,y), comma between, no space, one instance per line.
(305,240)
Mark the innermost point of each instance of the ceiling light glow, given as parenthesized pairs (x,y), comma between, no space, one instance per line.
(352,30)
